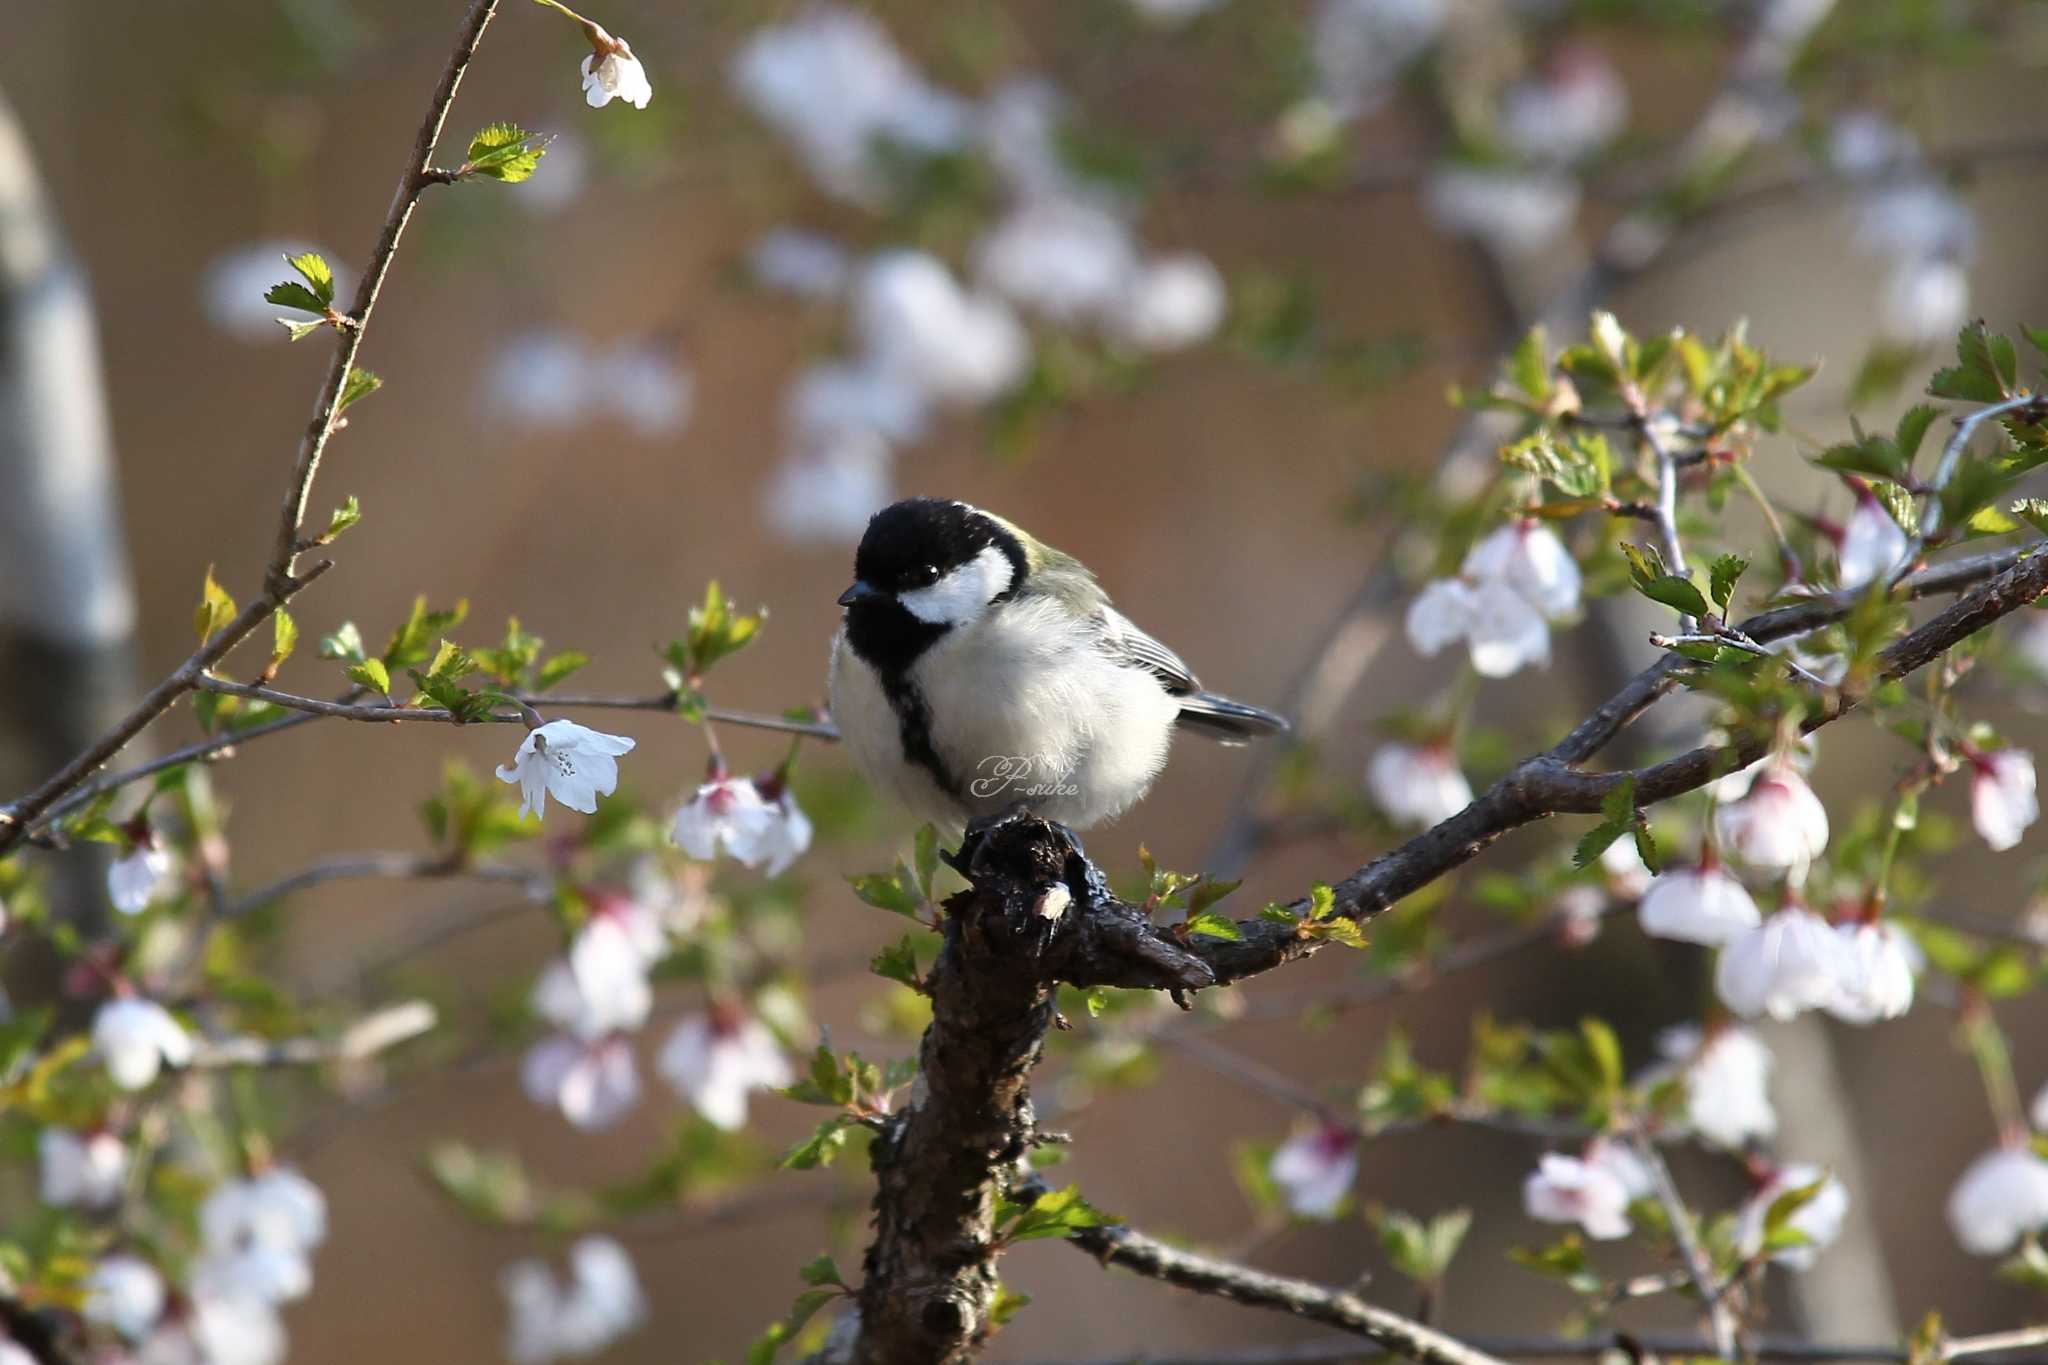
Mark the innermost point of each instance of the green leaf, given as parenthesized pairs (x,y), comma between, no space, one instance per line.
(1619,805)
(821,1147)
(372,674)
(1646,570)
(886,891)
(313,268)
(416,640)
(1912,430)
(1061,1213)
(1605,1049)
(284,638)
(1207,893)
(1322,901)
(345,516)
(1279,914)
(770,1343)
(1338,930)
(559,667)
(292,294)
(1529,366)
(898,962)
(1215,925)
(299,331)
(716,631)
(504,152)
(1726,572)
(360,384)
(215,608)
(1594,842)
(821,1271)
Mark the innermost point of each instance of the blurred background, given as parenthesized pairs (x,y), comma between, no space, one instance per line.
(593,405)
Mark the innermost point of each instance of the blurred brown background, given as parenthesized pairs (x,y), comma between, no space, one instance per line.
(1205,500)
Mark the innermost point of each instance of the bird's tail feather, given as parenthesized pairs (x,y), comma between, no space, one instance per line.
(1227,721)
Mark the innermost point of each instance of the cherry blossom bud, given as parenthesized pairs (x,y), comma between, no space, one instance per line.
(1873,544)
(1792,962)
(86,1170)
(2002,1196)
(1564,1189)
(1314,1169)
(1877,982)
(715,1060)
(1726,1078)
(126,1294)
(1417,784)
(1818,1220)
(136,1038)
(1780,824)
(570,762)
(1697,905)
(2002,800)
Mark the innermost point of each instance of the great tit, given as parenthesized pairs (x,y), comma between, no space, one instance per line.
(978,670)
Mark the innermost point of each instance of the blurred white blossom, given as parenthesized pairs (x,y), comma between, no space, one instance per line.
(832,83)
(2002,799)
(1417,784)
(1360,47)
(1878,967)
(139,876)
(1818,1220)
(1790,963)
(259,1235)
(755,826)
(808,265)
(1924,301)
(1065,259)
(916,322)
(551,1320)
(1726,1078)
(716,1060)
(828,493)
(594,1084)
(2002,1196)
(1514,212)
(1172,302)
(1572,108)
(1697,905)
(1873,544)
(126,1294)
(85,1170)
(1511,586)
(1314,1169)
(539,378)
(646,388)
(1565,1189)
(136,1038)
(1779,824)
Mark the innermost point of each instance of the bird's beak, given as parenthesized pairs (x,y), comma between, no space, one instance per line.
(859,592)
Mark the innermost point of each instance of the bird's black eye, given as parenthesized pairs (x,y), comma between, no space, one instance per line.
(923,576)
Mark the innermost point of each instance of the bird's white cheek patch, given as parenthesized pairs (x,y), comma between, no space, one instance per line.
(963,594)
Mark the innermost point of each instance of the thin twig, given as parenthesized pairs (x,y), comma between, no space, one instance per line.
(281,578)
(365,1038)
(1698,1265)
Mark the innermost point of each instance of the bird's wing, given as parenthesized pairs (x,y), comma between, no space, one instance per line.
(1127,644)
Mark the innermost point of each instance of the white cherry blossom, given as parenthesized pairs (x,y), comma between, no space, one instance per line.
(1792,962)
(755,826)
(570,762)
(594,1084)
(86,1170)
(1879,963)
(614,73)
(542,378)
(1172,302)
(2002,799)
(1362,46)
(1697,905)
(1726,1079)
(836,398)
(601,1302)
(1819,1219)
(645,387)
(1314,1169)
(1417,784)
(1067,260)
(1565,1189)
(915,321)
(1571,110)
(1924,301)
(1779,824)
(126,1294)
(828,492)
(716,1060)
(259,1236)
(136,1038)
(1517,213)
(2002,1196)
(139,876)
(1527,556)
(1873,544)
(1512,584)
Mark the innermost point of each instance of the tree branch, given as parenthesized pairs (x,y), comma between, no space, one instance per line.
(1134,1251)
(281,580)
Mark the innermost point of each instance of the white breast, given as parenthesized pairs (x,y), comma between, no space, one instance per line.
(1024,707)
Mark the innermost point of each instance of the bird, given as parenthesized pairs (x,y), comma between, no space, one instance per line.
(978,672)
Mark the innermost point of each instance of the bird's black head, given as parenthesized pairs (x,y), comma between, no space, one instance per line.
(925,566)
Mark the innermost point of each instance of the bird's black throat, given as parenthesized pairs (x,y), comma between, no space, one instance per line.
(889,639)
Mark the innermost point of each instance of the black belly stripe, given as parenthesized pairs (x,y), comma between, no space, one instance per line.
(914,724)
